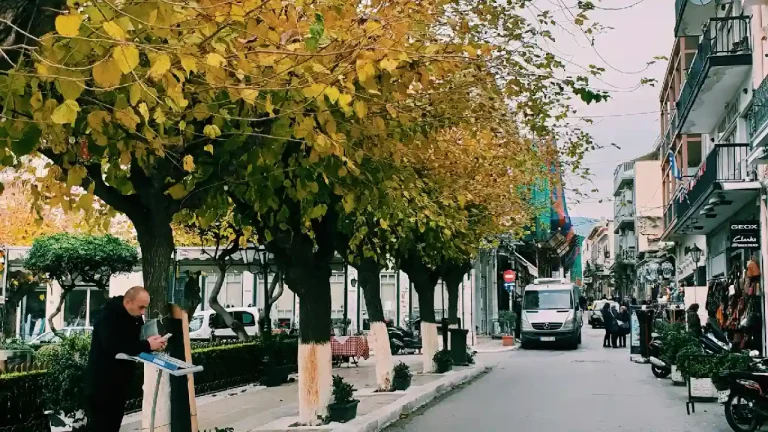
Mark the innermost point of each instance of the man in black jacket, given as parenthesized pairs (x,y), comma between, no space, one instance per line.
(116,330)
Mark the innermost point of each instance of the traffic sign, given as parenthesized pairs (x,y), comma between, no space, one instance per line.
(509,286)
(509,276)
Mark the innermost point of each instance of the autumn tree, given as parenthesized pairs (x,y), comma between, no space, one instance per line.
(74,260)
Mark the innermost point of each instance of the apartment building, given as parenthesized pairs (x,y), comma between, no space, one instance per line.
(709,120)
(599,253)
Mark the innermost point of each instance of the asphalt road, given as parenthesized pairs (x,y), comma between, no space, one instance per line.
(591,389)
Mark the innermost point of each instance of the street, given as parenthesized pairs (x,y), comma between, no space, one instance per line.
(591,389)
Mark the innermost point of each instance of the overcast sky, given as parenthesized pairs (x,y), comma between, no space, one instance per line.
(639,33)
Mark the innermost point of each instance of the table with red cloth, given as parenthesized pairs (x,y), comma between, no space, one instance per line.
(348,349)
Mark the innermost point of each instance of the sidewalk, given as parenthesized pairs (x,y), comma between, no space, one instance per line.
(484,344)
(254,407)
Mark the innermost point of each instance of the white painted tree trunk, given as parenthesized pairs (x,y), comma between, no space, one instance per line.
(429,345)
(163,408)
(379,339)
(315,382)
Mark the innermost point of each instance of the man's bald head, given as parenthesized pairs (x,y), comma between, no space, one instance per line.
(136,301)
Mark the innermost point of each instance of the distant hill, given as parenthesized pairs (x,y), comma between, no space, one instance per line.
(582,225)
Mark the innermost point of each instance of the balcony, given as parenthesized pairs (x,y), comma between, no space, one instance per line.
(669,219)
(623,175)
(722,185)
(623,215)
(722,63)
(757,118)
(690,16)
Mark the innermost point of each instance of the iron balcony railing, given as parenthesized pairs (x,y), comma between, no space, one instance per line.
(721,37)
(758,113)
(624,172)
(725,163)
(669,134)
(669,214)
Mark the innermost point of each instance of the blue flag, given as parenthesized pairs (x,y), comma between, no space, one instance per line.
(673,166)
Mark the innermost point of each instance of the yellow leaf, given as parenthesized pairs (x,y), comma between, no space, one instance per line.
(106,74)
(160,65)
(127,117)
(237,13)
(68,88)
(332,93)
(211,131)
(268,107)
(215,60)
(188,163)
(125,157)
(127,57)
(249,95)
(314,90)
(188,62)
(388,64)
(135,93)
(378,124)
(349,203)
(208,148)
(177,191)
(144,110)
(383,223)
(68,25)
(200,111)
(114,30)
(66,112)
(75,175)
(96,120)
(365,70)
(361,109)
(342,171)
(344,99)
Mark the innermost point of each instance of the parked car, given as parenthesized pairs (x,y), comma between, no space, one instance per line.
(595,318)
(51,337)
(207,325)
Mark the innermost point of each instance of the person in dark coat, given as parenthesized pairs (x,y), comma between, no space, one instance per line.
(624,317)
(609,320)
(694,322)
(117,329)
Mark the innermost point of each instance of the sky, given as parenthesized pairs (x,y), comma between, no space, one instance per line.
(642,29)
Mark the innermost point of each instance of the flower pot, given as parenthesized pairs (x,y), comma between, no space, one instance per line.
(275,375)
(676,376)
(343,413)
(444,368)
(401,384)
(508,340)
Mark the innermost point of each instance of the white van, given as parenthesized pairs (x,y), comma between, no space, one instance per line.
(551,313)
(206,325)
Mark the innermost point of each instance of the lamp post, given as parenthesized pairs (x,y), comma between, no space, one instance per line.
(249,255)
(695,253)
(354,284)
(265,274)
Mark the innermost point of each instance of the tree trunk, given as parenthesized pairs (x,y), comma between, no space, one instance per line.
(213,300)
(369,273)
(424,280)
(272,295)
(156,243)
(313,287)
(192,293)
(453,274)
(59,306)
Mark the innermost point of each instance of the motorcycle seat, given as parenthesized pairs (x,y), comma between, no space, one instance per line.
(760,378)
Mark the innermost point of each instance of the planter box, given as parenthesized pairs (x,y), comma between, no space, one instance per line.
(507,341)
(401,384)
(274,376)
(703,388)
(676,376)
(343,413)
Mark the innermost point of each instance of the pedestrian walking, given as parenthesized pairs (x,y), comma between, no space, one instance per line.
(116,330)
(694,322)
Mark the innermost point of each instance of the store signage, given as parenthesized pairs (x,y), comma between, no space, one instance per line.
(745,235)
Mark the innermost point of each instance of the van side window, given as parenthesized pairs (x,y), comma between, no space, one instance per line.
(217,323)
(246,318)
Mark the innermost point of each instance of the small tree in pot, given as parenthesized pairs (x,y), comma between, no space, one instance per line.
(344,407)
(443,361)
(401,377)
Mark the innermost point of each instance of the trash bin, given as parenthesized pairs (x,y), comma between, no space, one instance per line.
(459,346)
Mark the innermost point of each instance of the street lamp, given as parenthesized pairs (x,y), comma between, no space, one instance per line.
(695,253)
(249,256)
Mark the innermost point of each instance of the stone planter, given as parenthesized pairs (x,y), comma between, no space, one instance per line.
(274,376)
(343,413)
(703,388)
(508,340)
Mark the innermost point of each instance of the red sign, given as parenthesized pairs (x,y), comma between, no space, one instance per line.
(509,276)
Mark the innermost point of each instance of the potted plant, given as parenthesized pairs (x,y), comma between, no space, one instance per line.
(64,392)
(402,376)
(507,320)
(344,407)
(443,361)
(278,361)
(675,340)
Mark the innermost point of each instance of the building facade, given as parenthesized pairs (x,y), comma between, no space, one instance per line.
(599,253)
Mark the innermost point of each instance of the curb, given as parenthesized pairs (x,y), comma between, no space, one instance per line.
(497,350)
(383,417)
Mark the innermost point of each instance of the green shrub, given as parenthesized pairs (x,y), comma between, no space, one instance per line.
(443,361)
(65,365)
(675,340)
(342,391)
(401,377)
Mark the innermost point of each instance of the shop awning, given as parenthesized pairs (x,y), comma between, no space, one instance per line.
(531,268)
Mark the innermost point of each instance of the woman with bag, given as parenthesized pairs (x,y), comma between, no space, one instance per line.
(624,318)
(611,327)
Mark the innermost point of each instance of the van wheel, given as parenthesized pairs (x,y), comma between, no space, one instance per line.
(525,346)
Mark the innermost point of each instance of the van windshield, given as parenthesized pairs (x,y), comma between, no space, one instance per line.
(548,299)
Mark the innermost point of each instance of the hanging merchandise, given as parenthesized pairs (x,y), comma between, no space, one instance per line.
(753,269)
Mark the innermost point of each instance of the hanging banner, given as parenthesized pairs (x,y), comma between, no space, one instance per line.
(745,234)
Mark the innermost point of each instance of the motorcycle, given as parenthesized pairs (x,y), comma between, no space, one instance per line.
(708,340)
(403,341)
(746,407)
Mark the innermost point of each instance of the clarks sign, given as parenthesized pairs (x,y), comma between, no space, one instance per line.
(745,235)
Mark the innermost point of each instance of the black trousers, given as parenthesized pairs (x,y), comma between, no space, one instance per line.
(607,338)
(623,341)
(105,413)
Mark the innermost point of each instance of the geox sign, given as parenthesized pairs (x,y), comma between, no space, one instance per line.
(745,235)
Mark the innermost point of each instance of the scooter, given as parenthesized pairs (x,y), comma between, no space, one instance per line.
(402,341)
(746,408)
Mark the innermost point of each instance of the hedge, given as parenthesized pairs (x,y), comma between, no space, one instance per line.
(225,365)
